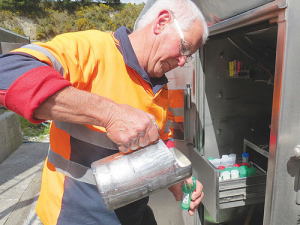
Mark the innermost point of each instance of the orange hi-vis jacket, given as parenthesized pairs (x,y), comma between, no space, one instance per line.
(176,113)
(103,64)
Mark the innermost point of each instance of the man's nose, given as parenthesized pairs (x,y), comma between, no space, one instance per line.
(181,60)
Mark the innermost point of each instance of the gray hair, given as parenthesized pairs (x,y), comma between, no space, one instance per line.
(185,12)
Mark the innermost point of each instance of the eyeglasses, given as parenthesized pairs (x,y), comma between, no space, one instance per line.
(185,47)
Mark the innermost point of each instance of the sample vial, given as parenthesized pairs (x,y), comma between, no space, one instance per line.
(235,174)
(245,164)
(237,165)
(224,161)
(216,162)
(210,159)
(221,171)
(243,171)
(187,190)
(233,157)
(231,162)
(228,169)
(226,175)
(221,167)
(251,171)
(245,157)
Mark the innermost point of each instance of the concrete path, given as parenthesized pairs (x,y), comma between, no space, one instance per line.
(20,177)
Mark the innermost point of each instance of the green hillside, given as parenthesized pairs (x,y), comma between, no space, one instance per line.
(47,19)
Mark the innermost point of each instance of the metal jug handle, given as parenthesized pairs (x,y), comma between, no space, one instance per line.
(130,150)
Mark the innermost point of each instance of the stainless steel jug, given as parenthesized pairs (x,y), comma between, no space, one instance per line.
(122,179)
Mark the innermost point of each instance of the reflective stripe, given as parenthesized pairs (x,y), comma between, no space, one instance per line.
(71,169)
(173,124)
(56,64)
(177,111)
(83,133)
(167,129)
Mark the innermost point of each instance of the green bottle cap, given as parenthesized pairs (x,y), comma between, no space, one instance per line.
(228,169)
(221,171)
(251,171)
(243,171)
(187,190)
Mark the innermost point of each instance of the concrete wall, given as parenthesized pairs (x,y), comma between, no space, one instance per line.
(10,40)
(10,128)
(10,133)
(8,36)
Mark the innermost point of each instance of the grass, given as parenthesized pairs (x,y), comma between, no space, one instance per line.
(33,130)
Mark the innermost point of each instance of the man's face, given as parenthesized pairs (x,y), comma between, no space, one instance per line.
(167,55)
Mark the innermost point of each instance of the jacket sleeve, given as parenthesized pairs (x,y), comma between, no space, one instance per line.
(26,82)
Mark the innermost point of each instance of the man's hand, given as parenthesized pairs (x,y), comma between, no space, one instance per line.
(197,195)
(131,128)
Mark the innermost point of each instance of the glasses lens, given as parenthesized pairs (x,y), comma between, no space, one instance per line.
(185,48)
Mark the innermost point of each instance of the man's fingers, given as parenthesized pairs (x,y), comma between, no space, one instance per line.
(198,191)
(131,128)
(197,201)
(134,143)
(194,204)
(123,149)
(197,196)
(153,132)
(143,139)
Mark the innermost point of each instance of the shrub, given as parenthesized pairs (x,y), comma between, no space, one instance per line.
(53,20)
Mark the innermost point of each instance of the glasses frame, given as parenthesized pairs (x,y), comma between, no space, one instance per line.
(185,47)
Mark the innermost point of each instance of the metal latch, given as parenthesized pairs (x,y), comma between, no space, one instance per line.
(297,179)
(297,151)
(188,96)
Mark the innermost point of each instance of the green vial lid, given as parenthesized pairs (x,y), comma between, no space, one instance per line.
(187,187)
(251,171)
(228,169)
(210,158)
(243,171)
(221,171)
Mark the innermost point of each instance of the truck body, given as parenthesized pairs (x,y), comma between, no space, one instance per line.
(241,95)
(10,40)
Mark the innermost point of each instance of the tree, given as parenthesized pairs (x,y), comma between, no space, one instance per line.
(112,1)
(23,6)
(69,5)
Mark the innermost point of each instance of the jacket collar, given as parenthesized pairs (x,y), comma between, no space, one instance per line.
(131,60)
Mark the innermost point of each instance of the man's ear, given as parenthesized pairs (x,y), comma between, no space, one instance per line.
(163,18)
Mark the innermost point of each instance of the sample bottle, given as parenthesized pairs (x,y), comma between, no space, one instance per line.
(235,174)
(237,165)
(216,162)
(251,171)
(245,157)
(228,169)
(224,161)
(231,162)
(210,159)
(245,164)
(221,167)
(243,171)
(225,175)
(233,158)
(187,190)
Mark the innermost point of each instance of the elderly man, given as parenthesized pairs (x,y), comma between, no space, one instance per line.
(104,92)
